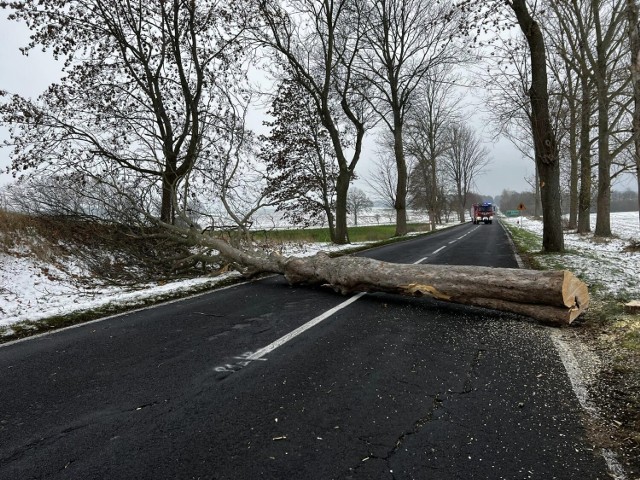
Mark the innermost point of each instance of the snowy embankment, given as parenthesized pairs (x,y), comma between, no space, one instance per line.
(31,289)
(608,263)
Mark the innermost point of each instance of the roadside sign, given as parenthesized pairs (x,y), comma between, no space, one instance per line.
(521,207)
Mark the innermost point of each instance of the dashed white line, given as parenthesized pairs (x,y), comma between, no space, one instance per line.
(313,322)
(303,328)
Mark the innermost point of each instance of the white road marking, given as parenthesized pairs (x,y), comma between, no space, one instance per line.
(578,381)
(285,338)
(303,328)
(571,365)
(311,323)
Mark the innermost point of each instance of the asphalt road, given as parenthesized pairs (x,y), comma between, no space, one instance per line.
(384,388)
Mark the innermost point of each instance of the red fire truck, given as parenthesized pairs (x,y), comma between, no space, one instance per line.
(482,212)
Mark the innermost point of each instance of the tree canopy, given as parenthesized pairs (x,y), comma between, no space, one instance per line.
(145,93)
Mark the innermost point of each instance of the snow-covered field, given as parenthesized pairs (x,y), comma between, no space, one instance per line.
(601,262)
(31,289)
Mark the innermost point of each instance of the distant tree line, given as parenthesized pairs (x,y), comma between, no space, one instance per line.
(621,201)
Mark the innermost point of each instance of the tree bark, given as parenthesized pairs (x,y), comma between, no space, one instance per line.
(546,148)
(603,209)
(573,155)
(401,188)
(167,208)
(434,212)
(554,297)
(584,197)
(603,214)
(634,46)
(340,235)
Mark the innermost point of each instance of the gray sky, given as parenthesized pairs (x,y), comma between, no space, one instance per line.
(29,76)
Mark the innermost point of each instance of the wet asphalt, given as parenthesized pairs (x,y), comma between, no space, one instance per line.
(385,388)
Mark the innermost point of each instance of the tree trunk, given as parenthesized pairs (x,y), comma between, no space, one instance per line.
(546,148)
(536,197)
(461,200)
(166,207)
(638,177)
(342,189)
(401,188)
(603,215)
(330,221)
(555,297)
(434,214)
(634,46)
(584,197)
(573,154)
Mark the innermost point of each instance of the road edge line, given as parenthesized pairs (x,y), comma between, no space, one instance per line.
(127,312)
(579,387)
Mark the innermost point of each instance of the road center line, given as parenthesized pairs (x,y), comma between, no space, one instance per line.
(249,357)
(294,333)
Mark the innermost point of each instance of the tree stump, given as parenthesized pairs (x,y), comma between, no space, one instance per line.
(633,307)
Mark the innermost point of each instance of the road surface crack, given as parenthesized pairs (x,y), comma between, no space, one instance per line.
(417,426)
(39,443)
(437,403)
(467,388)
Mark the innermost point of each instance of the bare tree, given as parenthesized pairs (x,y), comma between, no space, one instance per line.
(505,83)
(406,39)
(238,178)
(436,107)
(546,149)
(567,102)
(383,178)
(358,202)
(144,88)
(317,42)
(544,140)
(466,158)
(594,32)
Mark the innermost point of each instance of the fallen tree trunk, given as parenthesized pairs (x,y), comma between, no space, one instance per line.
(556,297)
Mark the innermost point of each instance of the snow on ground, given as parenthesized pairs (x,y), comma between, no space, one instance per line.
(600,262)
(31,289)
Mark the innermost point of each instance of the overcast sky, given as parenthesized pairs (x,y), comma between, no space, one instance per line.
(29,76)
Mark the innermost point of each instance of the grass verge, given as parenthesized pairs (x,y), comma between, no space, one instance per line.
(368,233)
